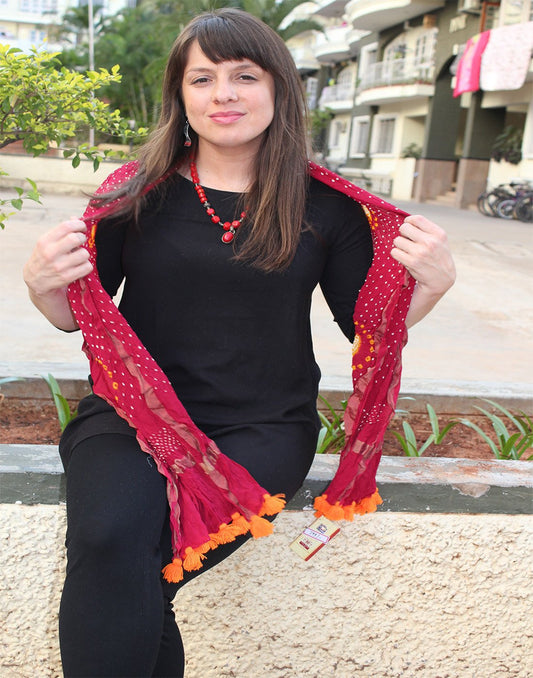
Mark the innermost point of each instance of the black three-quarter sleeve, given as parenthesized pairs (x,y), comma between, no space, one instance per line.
(109,241)
(349,258)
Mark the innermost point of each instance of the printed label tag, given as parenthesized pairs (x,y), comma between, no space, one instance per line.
(314,537)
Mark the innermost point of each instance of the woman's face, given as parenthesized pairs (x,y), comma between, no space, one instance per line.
(230,104)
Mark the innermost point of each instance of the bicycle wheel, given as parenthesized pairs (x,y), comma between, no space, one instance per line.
(505,208)
(524,208)
(483,204)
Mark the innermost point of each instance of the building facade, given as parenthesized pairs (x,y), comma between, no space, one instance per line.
(386,72)
(34,23)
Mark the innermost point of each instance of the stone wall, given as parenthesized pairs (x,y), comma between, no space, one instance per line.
(394,594)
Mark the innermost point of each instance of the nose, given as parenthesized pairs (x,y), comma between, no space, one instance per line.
(224,91)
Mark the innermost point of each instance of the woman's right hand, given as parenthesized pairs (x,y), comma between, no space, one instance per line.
(58,259)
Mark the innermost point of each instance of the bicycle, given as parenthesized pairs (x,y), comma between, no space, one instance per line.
(500,201)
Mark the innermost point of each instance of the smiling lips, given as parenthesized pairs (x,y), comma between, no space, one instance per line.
(226,117)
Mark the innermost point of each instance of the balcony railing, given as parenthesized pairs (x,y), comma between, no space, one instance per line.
(337,93)
(332,45)
(305,59)
(397,72)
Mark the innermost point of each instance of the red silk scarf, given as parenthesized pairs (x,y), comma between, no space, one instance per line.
(213,499)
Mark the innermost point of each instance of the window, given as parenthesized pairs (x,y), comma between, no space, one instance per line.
(311,89)
(360,133)
(383,136)
(336,130)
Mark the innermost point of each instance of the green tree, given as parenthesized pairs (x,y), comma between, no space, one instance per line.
(76,22)
(42,104)
(139,39)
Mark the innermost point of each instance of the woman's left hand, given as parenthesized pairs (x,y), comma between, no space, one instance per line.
(422,247)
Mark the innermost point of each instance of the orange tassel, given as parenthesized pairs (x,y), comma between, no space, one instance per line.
(368,504)
(222,536)
(260,527)
(330,511)
(272,504)
(173,572)
(239,523)
(204,548)
(192,560)
(338,512)
(225,534)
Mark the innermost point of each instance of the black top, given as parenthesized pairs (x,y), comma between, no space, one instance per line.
(235,342)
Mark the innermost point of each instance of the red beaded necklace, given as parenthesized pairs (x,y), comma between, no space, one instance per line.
(229,226)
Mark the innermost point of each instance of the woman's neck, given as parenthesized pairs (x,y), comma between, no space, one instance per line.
(231,171)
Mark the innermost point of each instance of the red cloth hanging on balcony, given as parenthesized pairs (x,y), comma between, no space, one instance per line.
(468,70)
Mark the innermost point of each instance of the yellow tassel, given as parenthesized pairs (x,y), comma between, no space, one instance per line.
(192,560)
(260,527)
(173,572)
(272,504)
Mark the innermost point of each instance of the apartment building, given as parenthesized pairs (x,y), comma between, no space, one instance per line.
(386,72)
(32,23)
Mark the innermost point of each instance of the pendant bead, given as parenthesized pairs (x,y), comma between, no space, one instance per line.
(227,237)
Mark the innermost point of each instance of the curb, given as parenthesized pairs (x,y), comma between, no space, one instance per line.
(32,474)
(445,397)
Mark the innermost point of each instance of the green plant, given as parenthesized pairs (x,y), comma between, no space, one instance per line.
(332,435)
(412,151)
(64,413)
(408,440)
(508,145)
(409,443)
(510,444)
(438,435)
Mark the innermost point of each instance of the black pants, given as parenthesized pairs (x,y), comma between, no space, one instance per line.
(116,618)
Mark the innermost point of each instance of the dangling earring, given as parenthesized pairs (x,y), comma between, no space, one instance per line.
(187,141)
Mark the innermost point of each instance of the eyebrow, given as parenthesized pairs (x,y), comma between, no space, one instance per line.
(238,66)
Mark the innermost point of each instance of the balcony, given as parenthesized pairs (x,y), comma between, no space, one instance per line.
(396,80)
(375,15)
(337,97)
(332,45)
(354,38)
(305,59)
(330,8)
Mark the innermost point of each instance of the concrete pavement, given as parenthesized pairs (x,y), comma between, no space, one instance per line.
(478,340)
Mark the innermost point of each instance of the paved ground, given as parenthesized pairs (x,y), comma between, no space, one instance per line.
(478,339)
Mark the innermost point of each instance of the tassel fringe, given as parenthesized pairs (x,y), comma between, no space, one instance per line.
(173,572)
(227,532)
(260,527)
(338,512)
(272,504)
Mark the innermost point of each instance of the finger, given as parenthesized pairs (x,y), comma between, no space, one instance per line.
(422,223)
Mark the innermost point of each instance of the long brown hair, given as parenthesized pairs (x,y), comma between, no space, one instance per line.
(276,199)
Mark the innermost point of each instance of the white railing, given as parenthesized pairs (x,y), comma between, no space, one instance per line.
(334,93)
(396,72)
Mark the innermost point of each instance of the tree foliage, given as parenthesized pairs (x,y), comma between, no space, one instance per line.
(43,104)
(140,38)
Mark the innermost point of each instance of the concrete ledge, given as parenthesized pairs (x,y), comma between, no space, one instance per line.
(32,474)
(446,397)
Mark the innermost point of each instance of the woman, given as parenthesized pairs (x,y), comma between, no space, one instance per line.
(220,235)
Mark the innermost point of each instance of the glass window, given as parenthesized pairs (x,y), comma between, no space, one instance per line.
(360,133)
(384,135)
